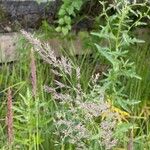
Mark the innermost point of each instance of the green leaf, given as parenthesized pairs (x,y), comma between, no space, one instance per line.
(58,29)
(135,40)
(133,12)
(70,10)
(124,127)
(69,27)
(62,12)
(18,110)
(61,21)
(132,102)
(141,24)
(122,103)
(103,35)
(77,4)
(103,51)
(67,20)
(65,30)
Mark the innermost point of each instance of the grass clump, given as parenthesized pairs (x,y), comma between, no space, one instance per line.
(49,106)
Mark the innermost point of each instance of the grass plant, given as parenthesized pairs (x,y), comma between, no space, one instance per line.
(62,104)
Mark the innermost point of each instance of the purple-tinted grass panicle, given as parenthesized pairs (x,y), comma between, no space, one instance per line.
(93,109)
(9,117)
(78,76)
(76,132)
(48,54)
(95,78)
(55,72)
(61,85)
(57,96)
(78,107)
(78,73)
(49,89)
(43,49)
(65,65)
(107,127)
(33,74)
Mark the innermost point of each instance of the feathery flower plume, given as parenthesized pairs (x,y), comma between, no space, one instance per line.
(49,89)
(43,49)
(78,73)
(94,109)
(48,54)
(56,95)
(95,78)
(60,85)
(71,123)
(107,127)
(9,117)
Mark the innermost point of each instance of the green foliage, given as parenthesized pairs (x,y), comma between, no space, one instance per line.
(29,121)
(89,113)
(67,11)
(2,16)
(116,34)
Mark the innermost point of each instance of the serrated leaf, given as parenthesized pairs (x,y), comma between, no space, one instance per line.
(70,10)
(61,21)
(67,20)
(58,29)
(65,30)
(124,127)
(77,4)
(104,35)
(122,103)
(133,102)
(104,52)
(62,12)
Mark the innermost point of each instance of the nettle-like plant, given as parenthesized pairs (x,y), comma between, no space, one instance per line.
(115,33)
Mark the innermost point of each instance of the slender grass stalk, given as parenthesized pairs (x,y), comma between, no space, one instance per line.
(33,74)
(9,117)
(37,124)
